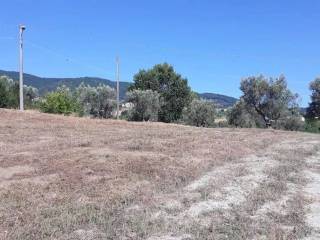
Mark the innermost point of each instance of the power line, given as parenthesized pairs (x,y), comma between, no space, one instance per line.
(7,38)
(63,56)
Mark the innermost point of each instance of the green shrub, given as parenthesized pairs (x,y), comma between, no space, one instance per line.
(312,126)
(9,94)
(222,124)
(146,105)
(59,102)
(200,113)
(240,116)
(124,115)
(97,101)
(313,111)
(291,123)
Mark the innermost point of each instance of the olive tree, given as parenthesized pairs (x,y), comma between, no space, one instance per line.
(269,98)
(200,113)
(30,95)
(146,105)
(97,101)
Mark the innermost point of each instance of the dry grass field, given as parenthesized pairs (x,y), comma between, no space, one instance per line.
(76,178)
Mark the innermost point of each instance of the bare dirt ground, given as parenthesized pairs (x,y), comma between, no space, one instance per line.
(75,178)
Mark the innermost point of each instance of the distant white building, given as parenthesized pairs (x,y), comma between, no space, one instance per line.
(127,105)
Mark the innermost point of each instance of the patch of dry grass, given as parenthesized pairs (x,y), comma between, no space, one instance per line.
(242,221)
(85,175)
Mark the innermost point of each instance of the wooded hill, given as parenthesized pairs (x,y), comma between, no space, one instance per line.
(45,85)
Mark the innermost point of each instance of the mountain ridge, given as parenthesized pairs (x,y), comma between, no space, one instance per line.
(45,85)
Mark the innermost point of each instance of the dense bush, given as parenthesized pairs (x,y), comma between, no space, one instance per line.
(97,101)
(146,105)
(173,89)
(222,124)
(60,102)
(200,113)
(290,123)
(9,94)
(30,95)
(8,97)
(312,126)
(313,111)
(240,116)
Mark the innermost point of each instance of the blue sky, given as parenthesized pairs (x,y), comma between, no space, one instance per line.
(212,43)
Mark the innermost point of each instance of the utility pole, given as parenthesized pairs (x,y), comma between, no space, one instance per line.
(118,78)
(21,29)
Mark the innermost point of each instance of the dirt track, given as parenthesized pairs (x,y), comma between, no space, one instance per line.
(72,178)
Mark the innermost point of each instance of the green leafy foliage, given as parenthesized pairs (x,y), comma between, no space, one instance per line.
(9,94)
(312,126)
(270,99)
(146,105)
(266,102)
(60,102)
(240,116)
(313,111)
(200,113)
(173,89)
(290,123)
(97,101)
(46,85)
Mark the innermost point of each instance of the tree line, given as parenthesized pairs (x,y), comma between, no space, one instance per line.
(162,94)
(9,93)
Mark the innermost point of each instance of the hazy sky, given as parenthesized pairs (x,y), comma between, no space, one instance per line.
(212,43)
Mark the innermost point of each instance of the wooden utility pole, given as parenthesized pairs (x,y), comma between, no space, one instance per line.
(118,79)
(21,29)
